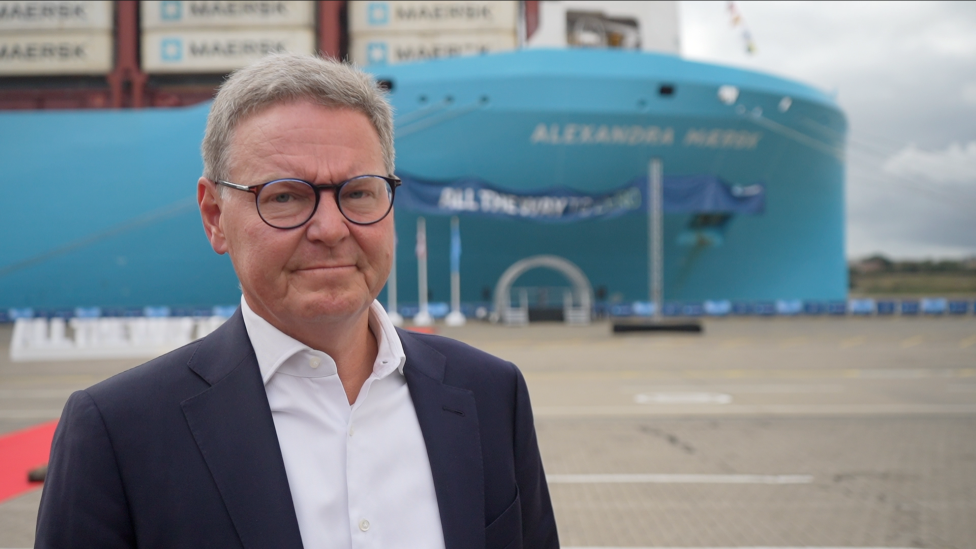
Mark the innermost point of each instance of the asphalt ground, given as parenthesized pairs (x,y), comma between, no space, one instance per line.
(762,432)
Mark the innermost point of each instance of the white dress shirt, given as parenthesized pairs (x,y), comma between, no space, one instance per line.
(359,475)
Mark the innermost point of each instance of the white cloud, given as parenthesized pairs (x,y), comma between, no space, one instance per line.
(954,164)
(969,93)
(905,76)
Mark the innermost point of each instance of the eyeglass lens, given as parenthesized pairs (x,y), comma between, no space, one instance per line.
(289,203)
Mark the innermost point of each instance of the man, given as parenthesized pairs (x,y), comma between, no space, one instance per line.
(307,419)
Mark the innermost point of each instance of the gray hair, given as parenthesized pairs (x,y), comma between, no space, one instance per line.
(283,78)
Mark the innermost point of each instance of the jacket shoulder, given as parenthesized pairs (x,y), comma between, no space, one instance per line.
(165,377)
(467,366)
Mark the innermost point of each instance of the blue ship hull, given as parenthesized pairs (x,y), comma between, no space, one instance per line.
(99,208)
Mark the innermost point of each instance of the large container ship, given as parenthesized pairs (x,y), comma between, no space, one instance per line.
(534,123)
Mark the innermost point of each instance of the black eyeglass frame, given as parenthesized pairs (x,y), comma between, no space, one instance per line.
(393,181)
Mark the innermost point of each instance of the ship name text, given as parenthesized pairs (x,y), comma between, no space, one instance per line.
(605,134)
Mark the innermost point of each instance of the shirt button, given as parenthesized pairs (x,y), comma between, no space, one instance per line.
(351,431)
(364,525)
(314,362)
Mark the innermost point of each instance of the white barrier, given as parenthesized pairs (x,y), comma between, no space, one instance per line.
(38,339)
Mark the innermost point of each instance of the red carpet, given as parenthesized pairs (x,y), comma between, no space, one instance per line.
(20,452)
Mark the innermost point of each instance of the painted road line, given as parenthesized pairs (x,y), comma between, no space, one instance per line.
(763,547)
(682,398)
(756,410)
(901,373)
(968,342)
(852,342)
(679,479)
(763,389)
(771,373)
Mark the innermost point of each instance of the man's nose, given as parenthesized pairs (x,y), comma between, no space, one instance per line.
(327,224)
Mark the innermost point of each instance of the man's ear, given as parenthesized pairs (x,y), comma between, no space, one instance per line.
(210,211)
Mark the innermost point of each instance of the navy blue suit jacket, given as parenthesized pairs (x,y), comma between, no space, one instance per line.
(182,452)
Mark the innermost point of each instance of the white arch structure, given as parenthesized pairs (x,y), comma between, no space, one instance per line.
(582,290)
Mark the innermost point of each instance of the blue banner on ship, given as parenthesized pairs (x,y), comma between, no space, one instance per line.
(682,194)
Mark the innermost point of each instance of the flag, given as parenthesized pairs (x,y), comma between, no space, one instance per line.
(738,21)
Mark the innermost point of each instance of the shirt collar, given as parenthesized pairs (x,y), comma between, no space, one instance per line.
(272,347)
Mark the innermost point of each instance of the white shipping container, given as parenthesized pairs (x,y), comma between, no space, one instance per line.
(226,14)
(61,52)
(372,49)
(369,16)
(216,51)
(74,14)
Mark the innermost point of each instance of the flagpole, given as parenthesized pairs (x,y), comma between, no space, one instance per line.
(423,317)
(455,317)
(391,289)
(655,222)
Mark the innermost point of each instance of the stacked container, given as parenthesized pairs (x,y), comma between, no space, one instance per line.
(387,33)
(184,37)
(55,38)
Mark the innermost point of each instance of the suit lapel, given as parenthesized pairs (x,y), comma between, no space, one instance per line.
(448,420)
(232,425)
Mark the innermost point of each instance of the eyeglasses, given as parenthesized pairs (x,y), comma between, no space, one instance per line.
(290,203)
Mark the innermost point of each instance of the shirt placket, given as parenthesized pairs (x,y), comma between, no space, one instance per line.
(361,517)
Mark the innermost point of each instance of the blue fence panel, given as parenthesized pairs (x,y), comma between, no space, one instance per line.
(438,309)
(886,308)
(861,307)
(88,312)
(671,309)
(621,310)
(909,308)
(814,308)
(741,308)
(957,307)
(718,308)
(934,305)
(692,309)
(642,308)
(789,307)
(764,308)
(408,311)
(225,311)
(14,314)
(837,308)
(156,312)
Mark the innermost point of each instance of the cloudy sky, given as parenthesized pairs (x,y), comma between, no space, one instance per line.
(905,75)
